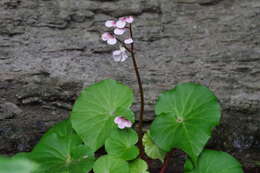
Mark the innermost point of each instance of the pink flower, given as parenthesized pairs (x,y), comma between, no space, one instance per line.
(128,19)
(120,27)
(120,55)
(128,41)
(109,38)
(110,23)
(122,122)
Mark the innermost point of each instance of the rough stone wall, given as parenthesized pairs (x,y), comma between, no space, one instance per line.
(50,49)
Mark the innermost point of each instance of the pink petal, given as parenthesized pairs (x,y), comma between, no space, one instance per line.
(120,24)
(122,19)
(117,120)
(129,19)
(112,41)
(128,123)
(119,31)
(121,126)
(105,36)
(128,41)
(110,23)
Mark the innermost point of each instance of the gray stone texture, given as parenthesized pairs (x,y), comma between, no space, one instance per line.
(50,49)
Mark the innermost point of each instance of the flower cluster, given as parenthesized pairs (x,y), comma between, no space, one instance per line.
(121,26)
(122,122)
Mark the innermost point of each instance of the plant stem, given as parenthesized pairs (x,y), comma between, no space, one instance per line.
(165,162)
(123,44)
(140,125)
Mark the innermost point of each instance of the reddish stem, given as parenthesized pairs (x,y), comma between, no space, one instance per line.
(166,162)
(140,126)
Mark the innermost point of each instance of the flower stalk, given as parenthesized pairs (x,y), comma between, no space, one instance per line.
(141,91)
(121,26)
(166,162)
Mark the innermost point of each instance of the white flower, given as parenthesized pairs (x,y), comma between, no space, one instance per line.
(120,23)
(112,41)
(119,31)
(128,41)
(120,55)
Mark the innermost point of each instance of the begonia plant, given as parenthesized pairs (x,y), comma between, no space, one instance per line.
(103,136)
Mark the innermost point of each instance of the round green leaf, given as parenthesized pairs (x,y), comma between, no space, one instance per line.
(27,155)
(95,109)
(61,151)
(82,159)
(212,161)
(16,165)
(121,144)
(185,118)
(138,166)
(110,164)
(151,149)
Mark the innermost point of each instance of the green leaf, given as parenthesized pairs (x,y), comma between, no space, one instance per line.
(185,118)
(257,163)
(60,150)
(27,155)
(97,106)
(151,149)
(121,144)
(138,166)
(212,161)
(188,166)
(110,164)
(21,155)
(16,165)
(62,129)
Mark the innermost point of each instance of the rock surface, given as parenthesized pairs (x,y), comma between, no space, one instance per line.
(50,49)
